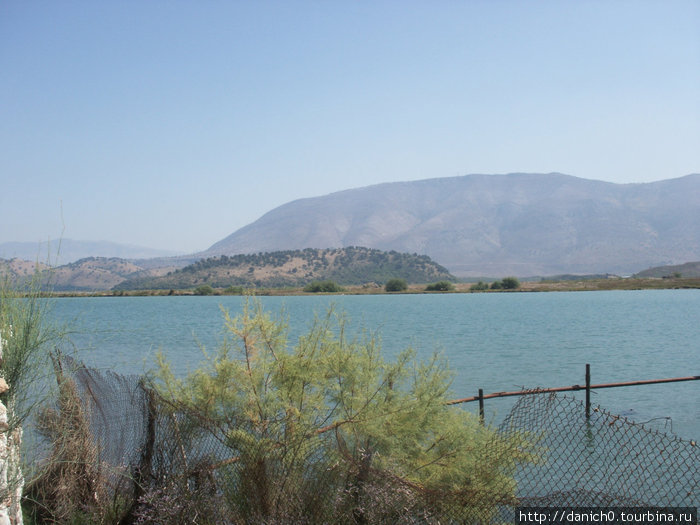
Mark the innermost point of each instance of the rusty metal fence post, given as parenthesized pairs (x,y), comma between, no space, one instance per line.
(588,391)
(481,405)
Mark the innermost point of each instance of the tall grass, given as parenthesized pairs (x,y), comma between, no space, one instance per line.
(28,338)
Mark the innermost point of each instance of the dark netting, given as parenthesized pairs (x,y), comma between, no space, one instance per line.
(602,460)
(118,410)
(171,466)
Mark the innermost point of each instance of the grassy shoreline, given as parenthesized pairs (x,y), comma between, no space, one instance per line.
(628,283)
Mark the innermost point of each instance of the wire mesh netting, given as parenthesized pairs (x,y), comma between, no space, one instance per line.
(165,465)
(604,460)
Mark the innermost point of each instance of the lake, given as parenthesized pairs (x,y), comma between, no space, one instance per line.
(494,341)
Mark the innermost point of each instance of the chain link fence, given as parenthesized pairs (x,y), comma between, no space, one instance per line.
(150,463)
(604,460)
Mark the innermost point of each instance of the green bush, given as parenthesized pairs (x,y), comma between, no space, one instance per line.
(497,285)
(479,287)
(510,283)
(396,285)
(204,289)
(440,286)
(324,426)
(323,286)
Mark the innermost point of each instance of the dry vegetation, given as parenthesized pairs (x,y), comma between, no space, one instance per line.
(611,284)
(374,288)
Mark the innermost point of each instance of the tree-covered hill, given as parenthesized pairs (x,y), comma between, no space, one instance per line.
(346,266)
(86,275)
(17,270)
(96,273)
(689,269)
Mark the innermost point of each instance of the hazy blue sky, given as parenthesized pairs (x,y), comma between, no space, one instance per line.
(172,124)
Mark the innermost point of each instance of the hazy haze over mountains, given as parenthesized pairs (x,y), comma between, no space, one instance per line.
(515,224)
(66,251)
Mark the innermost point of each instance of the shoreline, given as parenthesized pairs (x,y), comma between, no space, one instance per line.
(584,285)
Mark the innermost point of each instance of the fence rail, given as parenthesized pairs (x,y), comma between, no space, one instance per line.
(166,465)
(587,387)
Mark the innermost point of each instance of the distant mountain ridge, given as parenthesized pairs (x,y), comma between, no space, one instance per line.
(66,251)
(515,224)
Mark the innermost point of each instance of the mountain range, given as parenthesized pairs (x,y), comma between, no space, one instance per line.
(515,224)
(474,225)
(66,251)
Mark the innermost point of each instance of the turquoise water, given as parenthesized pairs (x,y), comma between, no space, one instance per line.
(493,341)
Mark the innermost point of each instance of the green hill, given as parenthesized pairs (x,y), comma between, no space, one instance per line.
(291,268)
(689,269)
